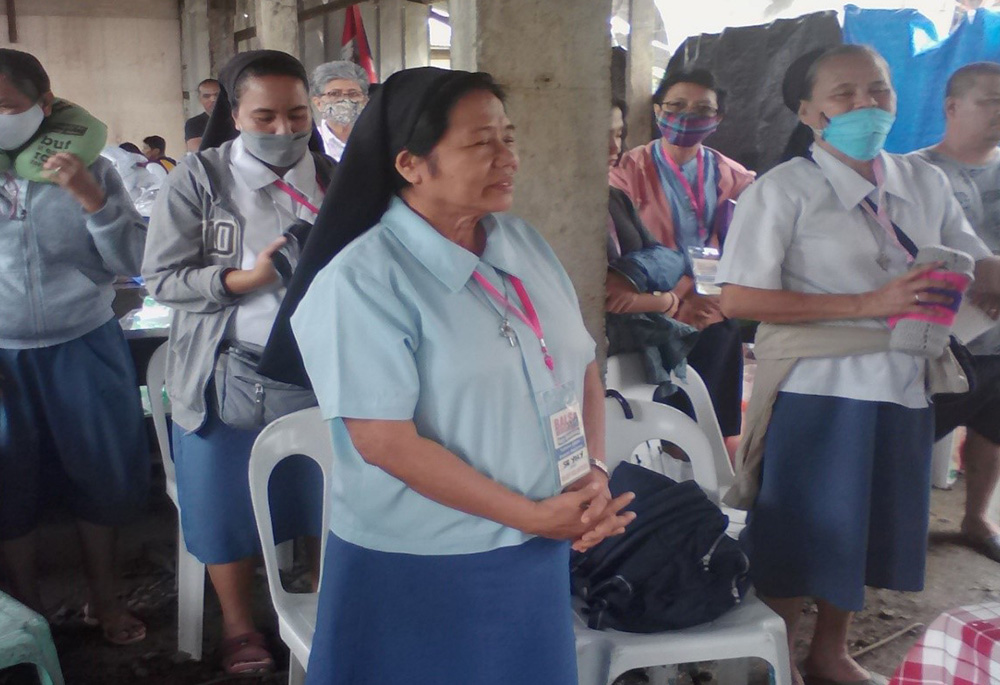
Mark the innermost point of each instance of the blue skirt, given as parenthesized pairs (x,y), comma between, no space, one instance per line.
(494,618)
(72,432)
(213,486)
(844,499)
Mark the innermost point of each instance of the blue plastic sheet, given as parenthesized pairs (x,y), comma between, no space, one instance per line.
(921,63)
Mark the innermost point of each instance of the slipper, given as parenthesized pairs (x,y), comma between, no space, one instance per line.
(872,679)
(246,654)
(988,547)
(121,629)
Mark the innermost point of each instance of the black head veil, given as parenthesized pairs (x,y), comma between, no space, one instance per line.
(220,127)
(363,184)
(794,89)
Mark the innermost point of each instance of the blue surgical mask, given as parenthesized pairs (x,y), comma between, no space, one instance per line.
(860,133)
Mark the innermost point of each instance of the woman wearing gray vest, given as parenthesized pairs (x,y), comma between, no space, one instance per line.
(219,220)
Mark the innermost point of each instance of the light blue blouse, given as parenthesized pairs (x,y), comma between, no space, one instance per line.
(395,328)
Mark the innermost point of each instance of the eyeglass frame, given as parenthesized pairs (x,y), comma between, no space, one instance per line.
(352,95)
(698,110)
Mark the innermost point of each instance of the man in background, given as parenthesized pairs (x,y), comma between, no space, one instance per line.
(208,94)
(969,156)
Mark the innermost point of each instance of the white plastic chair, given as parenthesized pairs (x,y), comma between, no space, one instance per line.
(190,571)
(627,376)
(303,432)
(749,630)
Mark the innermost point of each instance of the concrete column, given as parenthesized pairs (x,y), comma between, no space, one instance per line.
(390,37)
(278,25)
(416,35)
(553,59)
(222,46)
(402,35)
(639,70)
(195,52)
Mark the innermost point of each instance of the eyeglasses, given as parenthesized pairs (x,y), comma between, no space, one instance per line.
(341,94)
(679,106)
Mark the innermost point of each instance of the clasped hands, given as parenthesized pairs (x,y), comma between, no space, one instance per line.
(584,513)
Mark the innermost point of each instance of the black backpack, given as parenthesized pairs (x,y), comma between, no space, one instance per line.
(673,568)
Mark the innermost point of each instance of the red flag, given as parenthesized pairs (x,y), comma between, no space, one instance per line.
(354,44)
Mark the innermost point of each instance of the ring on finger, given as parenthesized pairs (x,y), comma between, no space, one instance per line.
(916,298)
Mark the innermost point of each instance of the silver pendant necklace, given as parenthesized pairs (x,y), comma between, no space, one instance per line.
(506,330)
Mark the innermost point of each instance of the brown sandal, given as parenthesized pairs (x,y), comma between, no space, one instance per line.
(245,654)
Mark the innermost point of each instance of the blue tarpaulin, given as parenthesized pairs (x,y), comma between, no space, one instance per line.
(921,63)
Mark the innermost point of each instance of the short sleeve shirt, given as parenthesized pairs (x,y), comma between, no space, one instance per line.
(395,328)
(195,126)
(801,228)
(977,189)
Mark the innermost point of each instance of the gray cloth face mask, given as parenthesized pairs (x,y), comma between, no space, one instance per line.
(343,112)
(277,149)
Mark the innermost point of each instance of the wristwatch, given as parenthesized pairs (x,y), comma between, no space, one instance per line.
(600,466)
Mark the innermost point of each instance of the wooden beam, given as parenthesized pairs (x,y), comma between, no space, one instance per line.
(245,34)
(11,22)
(331,6)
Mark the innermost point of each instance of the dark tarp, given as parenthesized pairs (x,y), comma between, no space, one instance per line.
(749,63)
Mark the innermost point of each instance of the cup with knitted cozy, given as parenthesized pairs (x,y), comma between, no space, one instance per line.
(926,333)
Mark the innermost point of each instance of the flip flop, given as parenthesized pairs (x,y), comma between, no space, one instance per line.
(122,629)
(246,654)
(988,547)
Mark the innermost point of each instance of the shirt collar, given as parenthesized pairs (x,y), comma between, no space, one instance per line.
(257,175)
(450,263)
(850,187)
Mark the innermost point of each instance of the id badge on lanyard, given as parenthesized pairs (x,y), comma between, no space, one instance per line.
(559,405)
(566,433)
(705,262)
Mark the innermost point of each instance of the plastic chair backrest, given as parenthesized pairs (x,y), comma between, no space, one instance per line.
(653,421)
(303,432)
(626,374)
(156,378)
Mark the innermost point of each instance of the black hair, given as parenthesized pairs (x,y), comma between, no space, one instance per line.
(964,79)
(207,81)
(157,143)
(798,85)
(696,75)
(432,123)
(131,147)
(268,65)
(25,73)
(622,106)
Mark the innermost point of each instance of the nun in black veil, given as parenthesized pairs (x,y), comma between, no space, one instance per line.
(218,222)
(445,344)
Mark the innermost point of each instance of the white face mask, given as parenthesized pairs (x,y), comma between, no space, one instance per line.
(17,129)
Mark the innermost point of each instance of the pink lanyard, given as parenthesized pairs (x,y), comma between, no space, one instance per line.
(880,213)
(529,316)
(695,195)
(296,195)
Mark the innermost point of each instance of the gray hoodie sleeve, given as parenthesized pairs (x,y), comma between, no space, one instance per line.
(175,268)
(116,228)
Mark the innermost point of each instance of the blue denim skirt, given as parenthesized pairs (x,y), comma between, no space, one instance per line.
(494,618)
(844,499)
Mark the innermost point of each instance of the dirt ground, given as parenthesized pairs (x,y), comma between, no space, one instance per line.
(956,576)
